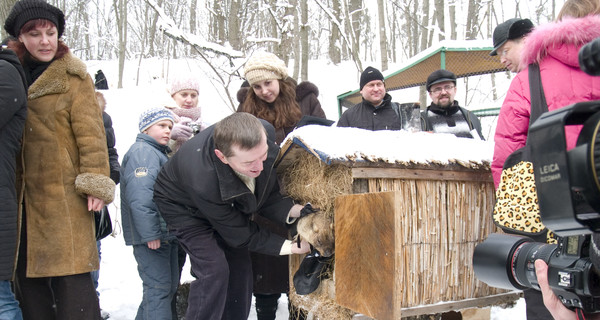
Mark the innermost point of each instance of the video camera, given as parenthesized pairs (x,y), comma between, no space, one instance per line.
(568,189)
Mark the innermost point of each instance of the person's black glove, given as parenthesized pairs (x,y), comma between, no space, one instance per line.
(308,209)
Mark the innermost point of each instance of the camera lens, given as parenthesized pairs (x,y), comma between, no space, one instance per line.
(507,261)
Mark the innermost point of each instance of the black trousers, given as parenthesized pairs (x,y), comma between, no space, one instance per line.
(534,305)
(223,287)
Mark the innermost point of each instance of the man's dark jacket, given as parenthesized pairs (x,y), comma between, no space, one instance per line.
(13,111)
(194,188)
(365,116)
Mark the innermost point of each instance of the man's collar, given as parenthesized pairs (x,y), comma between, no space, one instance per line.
(444,110)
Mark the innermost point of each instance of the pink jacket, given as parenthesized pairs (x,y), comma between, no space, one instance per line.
(555,46)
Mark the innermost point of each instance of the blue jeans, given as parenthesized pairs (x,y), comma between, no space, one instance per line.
(9,307)
(159,271)
(96,274)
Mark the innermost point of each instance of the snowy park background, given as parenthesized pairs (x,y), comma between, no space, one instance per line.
(120,286)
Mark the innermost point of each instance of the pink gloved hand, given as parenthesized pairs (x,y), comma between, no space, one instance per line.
(181,131)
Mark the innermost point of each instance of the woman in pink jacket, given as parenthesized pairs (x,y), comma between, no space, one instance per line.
(555,46)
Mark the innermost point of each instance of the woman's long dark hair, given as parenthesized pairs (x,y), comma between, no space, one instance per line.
(21,51)
(284,112)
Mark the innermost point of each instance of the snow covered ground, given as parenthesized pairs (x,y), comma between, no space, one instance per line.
(120,286)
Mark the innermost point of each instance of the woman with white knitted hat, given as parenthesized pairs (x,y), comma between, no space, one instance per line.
(275,97)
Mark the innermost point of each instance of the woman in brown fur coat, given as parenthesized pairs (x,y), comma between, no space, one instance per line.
(64,172)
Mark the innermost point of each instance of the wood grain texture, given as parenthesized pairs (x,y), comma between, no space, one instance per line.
(364,262)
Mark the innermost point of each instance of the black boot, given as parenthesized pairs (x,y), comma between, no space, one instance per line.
(266,306)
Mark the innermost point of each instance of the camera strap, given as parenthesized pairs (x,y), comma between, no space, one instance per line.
(536,92)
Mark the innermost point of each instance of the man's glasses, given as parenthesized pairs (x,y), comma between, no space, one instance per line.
(447,88)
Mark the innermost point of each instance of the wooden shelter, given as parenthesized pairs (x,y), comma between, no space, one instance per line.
(464,58)
(405,226)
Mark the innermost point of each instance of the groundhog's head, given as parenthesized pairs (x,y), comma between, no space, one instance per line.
(317,229)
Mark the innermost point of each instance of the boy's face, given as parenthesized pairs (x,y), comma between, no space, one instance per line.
(160,131)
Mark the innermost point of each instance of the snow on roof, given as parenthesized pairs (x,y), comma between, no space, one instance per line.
(333,144)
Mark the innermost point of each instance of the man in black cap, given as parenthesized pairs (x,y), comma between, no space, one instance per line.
(508,41)
(444,115)
(376,111)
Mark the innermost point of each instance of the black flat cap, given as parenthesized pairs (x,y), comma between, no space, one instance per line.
(438,76)
(509,30)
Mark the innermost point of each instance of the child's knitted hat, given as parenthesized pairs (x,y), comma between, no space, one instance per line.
(152,116)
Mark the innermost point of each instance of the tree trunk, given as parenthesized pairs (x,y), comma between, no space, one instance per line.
(452,11)
(354,8)
(304,39)
(120,7)
(426,34)
(334,38)
(5,6)
(472,20)
(439,17)
(382,35)
(233,25)
(152,30)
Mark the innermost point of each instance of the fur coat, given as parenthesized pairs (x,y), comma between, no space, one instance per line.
(64,159)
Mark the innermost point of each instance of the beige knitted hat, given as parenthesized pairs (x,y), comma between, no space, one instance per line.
(264,66)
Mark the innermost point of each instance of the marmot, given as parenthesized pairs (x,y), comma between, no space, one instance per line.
(317,229)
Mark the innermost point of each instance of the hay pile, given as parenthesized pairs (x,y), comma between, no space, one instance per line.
(310,180)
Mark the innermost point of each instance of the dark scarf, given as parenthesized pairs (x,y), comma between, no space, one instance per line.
(33,68)
(445,111)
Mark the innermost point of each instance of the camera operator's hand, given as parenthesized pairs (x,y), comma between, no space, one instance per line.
(181,131)
(551,301)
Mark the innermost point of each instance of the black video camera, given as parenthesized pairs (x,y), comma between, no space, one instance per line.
(568,188)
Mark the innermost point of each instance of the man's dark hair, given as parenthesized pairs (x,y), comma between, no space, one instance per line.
(239,129)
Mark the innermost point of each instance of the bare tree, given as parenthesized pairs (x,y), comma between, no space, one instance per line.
(120,8)
(334,35)
(5,6)
(233,25)
(439,18)
(304,39)
(382,35)
(473,19)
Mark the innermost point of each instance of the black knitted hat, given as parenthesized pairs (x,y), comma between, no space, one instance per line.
(369,75)
(510,30)
(27,10)
(438,76)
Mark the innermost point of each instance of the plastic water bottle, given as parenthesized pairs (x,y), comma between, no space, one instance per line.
(413,118)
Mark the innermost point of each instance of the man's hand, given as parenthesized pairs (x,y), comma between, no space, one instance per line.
(551,301)
(154,244)
(303,248)
(299,211)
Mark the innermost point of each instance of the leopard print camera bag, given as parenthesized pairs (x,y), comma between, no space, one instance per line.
(516,209)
